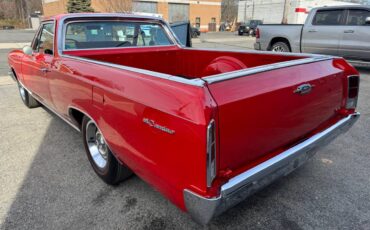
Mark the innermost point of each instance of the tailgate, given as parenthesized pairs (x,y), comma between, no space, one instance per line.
(261,113)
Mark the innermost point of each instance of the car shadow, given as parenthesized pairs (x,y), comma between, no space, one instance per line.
(61,191)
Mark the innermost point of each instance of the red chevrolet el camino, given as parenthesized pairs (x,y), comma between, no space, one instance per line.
(207,128)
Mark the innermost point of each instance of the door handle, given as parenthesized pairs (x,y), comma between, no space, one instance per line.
(349,31)
(312,31)
(45,70)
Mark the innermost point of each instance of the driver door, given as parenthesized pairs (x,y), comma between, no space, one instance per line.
(36,67)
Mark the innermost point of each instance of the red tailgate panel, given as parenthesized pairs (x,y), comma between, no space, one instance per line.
(259,114)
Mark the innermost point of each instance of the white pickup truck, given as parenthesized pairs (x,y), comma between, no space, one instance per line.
(339,31)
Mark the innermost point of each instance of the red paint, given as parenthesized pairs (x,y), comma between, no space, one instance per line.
(301,10)
(257,116)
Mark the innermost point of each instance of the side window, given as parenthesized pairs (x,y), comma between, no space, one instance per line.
(44,42)
(328,18)
(357,17)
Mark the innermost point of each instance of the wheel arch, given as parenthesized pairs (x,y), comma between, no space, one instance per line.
(14,73)
(76,116)
(279,39)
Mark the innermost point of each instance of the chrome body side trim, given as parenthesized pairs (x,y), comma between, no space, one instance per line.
(195,82)
(245,184)
(51,109)
(259,69)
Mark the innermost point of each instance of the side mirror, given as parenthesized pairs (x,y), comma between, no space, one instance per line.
(27,50)
(367,21)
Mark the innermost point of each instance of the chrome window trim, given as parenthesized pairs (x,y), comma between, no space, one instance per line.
(64,31)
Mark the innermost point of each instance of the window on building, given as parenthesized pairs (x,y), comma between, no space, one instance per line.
(197,22)
(329,17)
(357,17)
(213,20)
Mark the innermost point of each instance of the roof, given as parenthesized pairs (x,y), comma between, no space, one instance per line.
(344,7)
(99,15)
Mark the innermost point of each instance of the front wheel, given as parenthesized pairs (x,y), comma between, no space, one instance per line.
(100,156)
(27,98)
(280,47)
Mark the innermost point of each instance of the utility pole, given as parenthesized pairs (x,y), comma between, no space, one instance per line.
(285,12)
(245,10)
(252,9)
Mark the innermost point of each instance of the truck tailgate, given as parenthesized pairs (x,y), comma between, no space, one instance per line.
(261,113)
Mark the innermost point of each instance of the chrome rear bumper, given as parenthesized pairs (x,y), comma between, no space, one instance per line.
(245,184)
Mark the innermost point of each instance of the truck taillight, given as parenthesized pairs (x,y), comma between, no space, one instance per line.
(257,33)
(352,94)
(211,153)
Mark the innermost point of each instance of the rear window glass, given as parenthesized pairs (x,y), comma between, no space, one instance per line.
(357,17)
(109,34)
(328,17)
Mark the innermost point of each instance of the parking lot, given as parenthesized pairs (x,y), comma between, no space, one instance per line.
(47,182)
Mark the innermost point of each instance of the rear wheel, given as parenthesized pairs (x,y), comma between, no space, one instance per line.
(280,47)
(27,98)
(100,156)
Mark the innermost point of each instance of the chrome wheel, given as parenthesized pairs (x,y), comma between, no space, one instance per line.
(97,146)
(22,92)
(278,49)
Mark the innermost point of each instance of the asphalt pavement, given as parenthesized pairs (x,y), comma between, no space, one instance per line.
(47,182)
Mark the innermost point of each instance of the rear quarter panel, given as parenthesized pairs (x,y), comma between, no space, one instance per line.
(290,32)
(121,99)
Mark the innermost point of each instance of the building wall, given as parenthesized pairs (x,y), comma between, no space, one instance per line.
(272,11)
(205,9)
(53,7)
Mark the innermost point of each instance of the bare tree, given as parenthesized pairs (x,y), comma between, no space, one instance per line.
(229,11)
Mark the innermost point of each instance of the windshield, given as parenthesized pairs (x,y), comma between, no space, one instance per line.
(109,34)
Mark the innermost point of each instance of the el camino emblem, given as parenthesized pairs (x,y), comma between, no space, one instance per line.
(153,124)
(304,89)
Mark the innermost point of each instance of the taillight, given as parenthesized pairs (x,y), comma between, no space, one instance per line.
(257,33)
(211,153)
(352,94)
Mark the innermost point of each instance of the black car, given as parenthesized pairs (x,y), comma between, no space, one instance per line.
(249,27)
(195,32)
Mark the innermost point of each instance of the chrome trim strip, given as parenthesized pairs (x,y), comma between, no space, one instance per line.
(51,109)
(245,184)
(211,164)
(305,55)
(195,82)
(259,69)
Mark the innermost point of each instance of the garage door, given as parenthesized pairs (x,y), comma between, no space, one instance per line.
(147,7)
(178,12)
